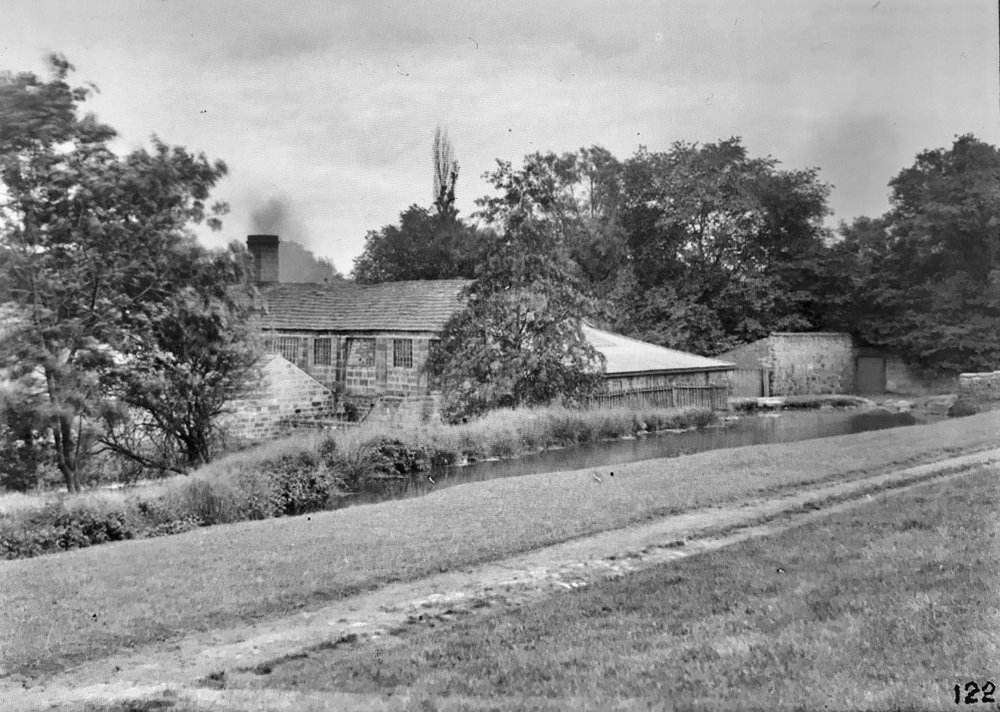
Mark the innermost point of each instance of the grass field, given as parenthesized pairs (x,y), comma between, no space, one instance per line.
(886,606)
(58,609)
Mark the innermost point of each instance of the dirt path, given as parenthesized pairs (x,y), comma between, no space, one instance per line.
(181,664)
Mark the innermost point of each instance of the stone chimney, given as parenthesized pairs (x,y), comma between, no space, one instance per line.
(264,249)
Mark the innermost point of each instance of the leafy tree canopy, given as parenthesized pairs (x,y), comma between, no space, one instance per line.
(185,357)
(926,275)
(697,248)
(724,247)
(89,244)
(519,340)
(426,244)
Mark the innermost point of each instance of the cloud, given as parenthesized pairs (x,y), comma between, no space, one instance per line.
(331,107)
(841,144)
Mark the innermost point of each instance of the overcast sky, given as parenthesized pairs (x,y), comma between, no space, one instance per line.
(329,108)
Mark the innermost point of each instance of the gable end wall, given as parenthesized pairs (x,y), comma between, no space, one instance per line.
(808,364)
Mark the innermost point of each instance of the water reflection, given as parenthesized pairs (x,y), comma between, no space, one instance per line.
(782,427)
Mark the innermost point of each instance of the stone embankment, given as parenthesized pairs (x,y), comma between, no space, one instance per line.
(979,387)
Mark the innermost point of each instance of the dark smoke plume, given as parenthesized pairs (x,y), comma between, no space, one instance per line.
(296,263)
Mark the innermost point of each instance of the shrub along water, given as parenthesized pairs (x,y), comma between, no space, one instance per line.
(312,472)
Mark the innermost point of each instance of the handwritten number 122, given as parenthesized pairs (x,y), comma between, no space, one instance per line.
(972,689)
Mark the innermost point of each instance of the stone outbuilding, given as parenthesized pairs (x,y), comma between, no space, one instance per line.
(785,364)
(811,363)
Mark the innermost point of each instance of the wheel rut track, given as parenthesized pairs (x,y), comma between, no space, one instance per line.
(237,655)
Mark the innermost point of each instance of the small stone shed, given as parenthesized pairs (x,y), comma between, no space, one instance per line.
(809,363)
(793,364)
(639,372)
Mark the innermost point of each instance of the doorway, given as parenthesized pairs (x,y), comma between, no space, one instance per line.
(871,374)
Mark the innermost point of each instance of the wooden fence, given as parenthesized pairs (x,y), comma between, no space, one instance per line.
(714,397)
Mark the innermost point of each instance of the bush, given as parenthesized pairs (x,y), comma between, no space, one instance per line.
(175,526)
(563,429)
(25,463)
(443,458)
(394,457)
(962,408)
(304,483)
(56,528)
(217,502)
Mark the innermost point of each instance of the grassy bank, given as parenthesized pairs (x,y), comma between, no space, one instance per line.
(308,473)
(88,603)
(884,607)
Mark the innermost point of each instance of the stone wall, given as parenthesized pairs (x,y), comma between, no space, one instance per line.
(750,356)
(406,410)
(282,397)
(810,363)
(360,371)
(979,387)
(402,380)
(799,363)
(361,364)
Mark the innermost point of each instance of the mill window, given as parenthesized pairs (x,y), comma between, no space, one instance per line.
(288,347)
(323,351)
(402,353)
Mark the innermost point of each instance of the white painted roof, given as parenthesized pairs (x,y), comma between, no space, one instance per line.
(625,355)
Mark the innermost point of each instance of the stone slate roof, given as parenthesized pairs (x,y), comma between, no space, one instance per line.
(425,306)
(629,356)
(417,306)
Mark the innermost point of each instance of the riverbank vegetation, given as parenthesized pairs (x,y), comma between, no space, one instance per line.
(308,473)
(215,576)
(885,606)
(799,402)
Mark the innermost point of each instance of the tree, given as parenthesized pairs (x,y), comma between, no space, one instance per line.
(519,340)
(23,453)
(926,274)
(423,246)
(86,240)
(445,173)
(724,247)
(426,244)
(579,197)
(185,358)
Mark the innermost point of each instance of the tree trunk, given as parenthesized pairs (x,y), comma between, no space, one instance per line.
(66,453)
(62,432)
(196,446)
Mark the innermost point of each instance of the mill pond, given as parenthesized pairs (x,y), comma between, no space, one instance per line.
(777,427)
